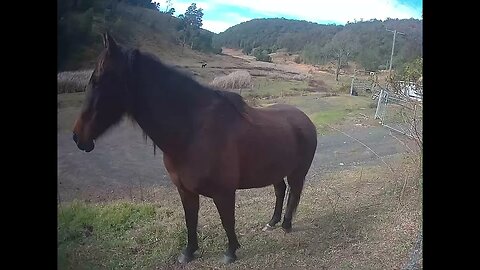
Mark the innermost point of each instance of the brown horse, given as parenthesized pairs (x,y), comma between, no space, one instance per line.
(213,142)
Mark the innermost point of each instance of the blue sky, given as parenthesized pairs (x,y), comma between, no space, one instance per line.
(222,14)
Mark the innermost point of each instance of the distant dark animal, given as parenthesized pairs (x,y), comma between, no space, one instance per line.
(204,65)
(213,143)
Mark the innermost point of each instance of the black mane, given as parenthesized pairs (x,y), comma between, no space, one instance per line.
(185,87)
(234,99)
(177,87)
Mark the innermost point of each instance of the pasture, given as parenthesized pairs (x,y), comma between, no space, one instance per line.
(360,208)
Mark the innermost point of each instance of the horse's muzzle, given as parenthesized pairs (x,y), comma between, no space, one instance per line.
(84,146)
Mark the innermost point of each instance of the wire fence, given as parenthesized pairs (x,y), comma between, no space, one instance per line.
(400,113)
(400,103)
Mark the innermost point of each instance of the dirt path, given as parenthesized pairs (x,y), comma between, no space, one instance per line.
(122,161)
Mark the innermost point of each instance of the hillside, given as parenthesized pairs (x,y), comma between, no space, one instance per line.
(140,23)
(275,33)
(137,23)
(366,42)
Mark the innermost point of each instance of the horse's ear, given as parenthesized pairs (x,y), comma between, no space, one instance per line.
(109,43)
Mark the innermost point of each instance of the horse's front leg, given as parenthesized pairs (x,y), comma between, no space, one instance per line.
(225,202)
(190,206)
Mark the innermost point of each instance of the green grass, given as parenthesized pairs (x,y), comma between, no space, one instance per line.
(119,235)
(268,88)
(332,110)
(322,119)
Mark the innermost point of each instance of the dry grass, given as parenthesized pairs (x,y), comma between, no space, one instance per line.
(73,81)
(347,219)
(240,79)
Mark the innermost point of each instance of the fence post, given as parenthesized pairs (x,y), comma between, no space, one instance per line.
(351,87)
(378,103)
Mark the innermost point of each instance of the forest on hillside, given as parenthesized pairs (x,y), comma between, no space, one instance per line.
(368,43)
(81,22)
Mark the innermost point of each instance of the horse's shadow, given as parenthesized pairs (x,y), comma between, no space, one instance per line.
(312,234)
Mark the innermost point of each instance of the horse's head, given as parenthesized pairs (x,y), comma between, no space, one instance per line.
(106,95)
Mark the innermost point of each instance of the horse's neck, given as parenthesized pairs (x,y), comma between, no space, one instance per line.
(167,118)
(169,136)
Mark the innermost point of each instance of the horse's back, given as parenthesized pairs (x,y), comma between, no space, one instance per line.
(300,124)
(287,115)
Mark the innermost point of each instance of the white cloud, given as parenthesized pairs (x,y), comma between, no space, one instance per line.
(339,11)
(216,26)
(236,18)
(181,6)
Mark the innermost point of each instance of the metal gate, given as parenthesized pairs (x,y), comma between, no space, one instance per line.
(400,113)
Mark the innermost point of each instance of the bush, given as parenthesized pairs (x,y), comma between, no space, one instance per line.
(412,70)
(247,49)
(344,88)
(382,67)
(298,59)
(216,50)
(262,55)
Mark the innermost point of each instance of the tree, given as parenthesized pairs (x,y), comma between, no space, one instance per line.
(74,31)
(190,24)
(340,48)
(367,43)
(168,6)
(144,3)
(171,11)
(193,16)
(412,70)
(261,54)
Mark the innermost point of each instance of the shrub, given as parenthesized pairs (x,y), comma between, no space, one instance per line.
(298,59)
(262,55)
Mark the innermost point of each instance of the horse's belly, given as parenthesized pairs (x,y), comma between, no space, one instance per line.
(264,174)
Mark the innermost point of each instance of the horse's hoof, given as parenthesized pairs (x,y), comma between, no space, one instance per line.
(185,258)
(268,228)
(229,259)
(287,230)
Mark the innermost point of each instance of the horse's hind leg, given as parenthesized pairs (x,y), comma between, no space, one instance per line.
(295,182)
(225,203)
(280,188)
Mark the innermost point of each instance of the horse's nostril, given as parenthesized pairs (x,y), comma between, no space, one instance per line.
(75,138)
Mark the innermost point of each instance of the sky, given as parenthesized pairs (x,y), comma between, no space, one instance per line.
(219,15)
